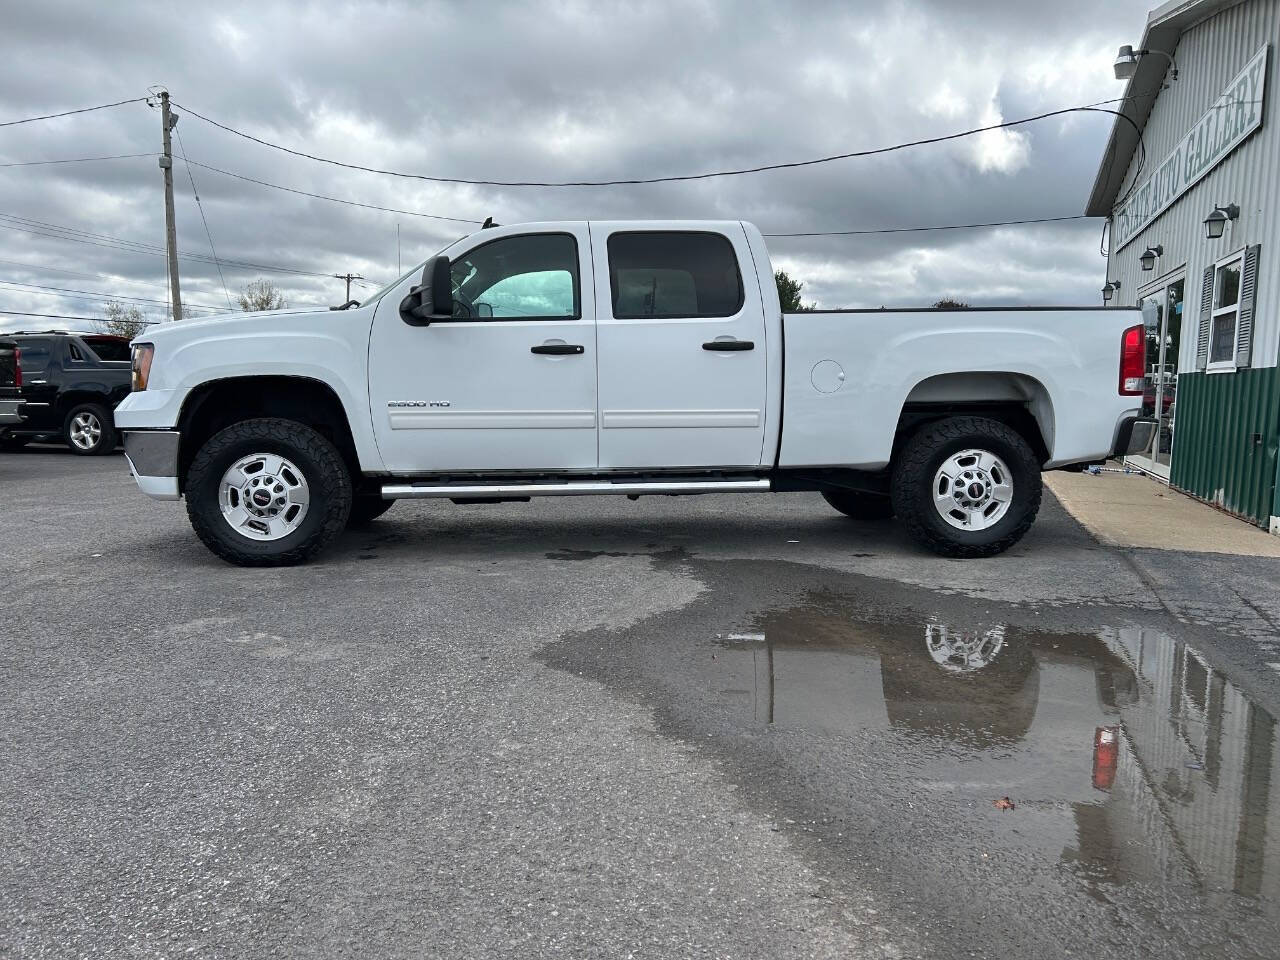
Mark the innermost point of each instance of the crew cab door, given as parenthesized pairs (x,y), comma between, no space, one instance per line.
(681,335)
(509,383)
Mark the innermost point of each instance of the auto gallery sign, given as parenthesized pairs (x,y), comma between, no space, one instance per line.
(1222,128)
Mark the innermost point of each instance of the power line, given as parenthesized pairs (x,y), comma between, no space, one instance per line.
(115,278)
(320,196)
(67,113)
(45,163)
(200,206)
(46,290)
(55,316)
(59,232)
(1091,107)
(951,226)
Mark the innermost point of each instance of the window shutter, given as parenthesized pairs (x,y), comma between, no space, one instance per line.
(1206,319)
(1248,298)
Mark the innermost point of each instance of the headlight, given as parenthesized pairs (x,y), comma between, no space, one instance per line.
(141,354)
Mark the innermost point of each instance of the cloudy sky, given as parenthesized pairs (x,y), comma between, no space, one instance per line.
(553,91)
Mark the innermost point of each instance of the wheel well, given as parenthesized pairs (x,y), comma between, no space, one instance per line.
(216,405)
(1014,399)
(72,399)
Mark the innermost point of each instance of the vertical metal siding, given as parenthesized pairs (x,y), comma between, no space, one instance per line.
(1209,54)
(1214,454)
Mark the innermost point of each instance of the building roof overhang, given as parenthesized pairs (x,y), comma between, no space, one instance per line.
(1165,26)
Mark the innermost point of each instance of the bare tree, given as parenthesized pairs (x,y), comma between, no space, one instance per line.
(261,295)
(123,321)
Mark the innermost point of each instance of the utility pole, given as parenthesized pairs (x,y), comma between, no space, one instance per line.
(168,121)
(347,277)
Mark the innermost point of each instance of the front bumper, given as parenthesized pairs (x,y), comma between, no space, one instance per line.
(153,461)
(1135,436)
(10,413)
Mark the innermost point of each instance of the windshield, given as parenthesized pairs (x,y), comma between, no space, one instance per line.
(393,284)
(412,271)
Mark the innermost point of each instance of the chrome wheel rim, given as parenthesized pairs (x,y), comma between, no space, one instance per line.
(86,430)
(973,490)
(263,496)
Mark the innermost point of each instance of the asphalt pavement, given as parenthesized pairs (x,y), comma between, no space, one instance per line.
(721,726)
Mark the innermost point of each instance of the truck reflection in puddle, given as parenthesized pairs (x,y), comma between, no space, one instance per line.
(1128,756)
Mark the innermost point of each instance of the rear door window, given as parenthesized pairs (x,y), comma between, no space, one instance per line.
(35,355)
(669,274)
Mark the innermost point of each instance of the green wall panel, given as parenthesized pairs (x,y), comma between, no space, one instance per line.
(1226,432)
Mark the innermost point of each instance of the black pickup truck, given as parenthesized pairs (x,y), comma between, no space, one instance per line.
(71,383)
(10,384)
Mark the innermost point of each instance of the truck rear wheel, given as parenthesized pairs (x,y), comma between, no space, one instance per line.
(859,505)
(269,492)
(966,487)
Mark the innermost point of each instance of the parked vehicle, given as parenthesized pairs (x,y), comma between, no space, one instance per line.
(10,384)
(577,358)
(71,384)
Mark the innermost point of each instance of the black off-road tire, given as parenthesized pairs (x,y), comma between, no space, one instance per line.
(365,509)
(328,482)
(108,438)
(917,465)
(859,505)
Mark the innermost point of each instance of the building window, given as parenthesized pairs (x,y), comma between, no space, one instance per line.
(1226,314)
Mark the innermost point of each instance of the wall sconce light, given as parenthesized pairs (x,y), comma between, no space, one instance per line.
(1216,223)
(1148,258)
(1127,58)
(1109,290)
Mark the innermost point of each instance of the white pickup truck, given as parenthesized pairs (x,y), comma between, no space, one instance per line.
(631,358)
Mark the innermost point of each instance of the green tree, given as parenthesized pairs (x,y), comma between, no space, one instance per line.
(947,302)
(789,294)
(123,321)
(261,295)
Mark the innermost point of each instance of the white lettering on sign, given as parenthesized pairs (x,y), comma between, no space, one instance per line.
(1222,128)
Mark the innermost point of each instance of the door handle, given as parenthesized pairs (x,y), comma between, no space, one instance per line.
(729,345)
(558,349)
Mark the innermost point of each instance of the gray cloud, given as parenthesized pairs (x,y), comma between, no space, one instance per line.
(561,91)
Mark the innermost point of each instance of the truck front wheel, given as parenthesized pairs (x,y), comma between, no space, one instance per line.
(269,492)
(966,487)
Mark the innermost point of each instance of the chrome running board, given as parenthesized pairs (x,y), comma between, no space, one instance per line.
(569,488)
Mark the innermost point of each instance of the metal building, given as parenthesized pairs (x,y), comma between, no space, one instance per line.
(1190,184)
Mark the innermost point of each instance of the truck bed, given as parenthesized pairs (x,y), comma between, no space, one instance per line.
(848,375)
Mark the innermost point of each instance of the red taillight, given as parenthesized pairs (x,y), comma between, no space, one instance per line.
(17,367)
(1133,361)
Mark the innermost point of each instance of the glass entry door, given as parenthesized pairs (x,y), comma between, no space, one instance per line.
(1160,398)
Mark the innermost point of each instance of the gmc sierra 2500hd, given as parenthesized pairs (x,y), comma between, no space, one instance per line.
(635,358)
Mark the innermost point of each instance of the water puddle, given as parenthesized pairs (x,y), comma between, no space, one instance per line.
(1124,753)
(1004,780)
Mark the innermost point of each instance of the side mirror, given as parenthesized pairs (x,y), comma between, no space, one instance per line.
(432,298)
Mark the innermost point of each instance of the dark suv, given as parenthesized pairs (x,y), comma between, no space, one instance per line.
(71,383)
